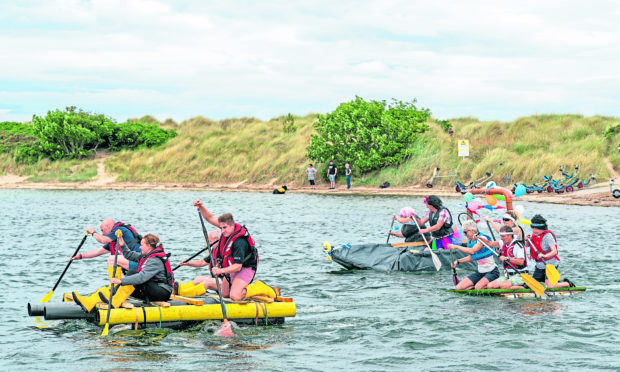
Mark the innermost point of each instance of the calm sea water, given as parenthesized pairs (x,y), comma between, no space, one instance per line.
(358,320)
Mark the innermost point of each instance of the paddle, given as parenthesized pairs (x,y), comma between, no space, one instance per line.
(534,284)
(552,273)
(226,329)
(112,286)
(388,233)
(202,250)
(455,279)
(48,296)
(436,261)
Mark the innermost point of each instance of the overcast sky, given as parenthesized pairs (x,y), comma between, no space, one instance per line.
(494,60)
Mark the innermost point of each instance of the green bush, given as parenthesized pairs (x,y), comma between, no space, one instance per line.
(610,132)
(445,125)
(75,134)
(367,134)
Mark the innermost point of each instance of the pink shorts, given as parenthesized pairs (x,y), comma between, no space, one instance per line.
(246,274)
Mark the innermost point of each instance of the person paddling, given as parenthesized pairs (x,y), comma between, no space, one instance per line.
(487,270)
(439,220)
(152,281)
(544,250)
(196,287)
(108,239)
(409,230)
(235,257)
(513,257)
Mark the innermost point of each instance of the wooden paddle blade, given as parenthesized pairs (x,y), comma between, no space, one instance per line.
(105,330)
(534,284)
(47,297)
(436,261)
(552,274)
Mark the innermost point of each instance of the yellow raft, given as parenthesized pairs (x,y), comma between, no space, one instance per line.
(177,313)
(252,311)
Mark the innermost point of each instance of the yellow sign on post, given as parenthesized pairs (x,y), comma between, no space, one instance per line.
(463,146)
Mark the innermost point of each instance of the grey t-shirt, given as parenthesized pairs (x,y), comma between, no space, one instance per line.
(311,172)
(545,244)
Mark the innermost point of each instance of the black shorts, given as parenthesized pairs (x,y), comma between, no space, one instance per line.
(311,182)
(540,275)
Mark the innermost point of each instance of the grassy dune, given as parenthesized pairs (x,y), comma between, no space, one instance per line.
(252,151)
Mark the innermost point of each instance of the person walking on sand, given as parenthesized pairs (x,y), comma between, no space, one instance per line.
(311,171)
(347,173)
(331,174)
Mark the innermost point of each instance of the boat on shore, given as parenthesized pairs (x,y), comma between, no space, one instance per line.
(179,312)
(519,293)
(393,257)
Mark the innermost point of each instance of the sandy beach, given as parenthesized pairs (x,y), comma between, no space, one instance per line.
(596,195)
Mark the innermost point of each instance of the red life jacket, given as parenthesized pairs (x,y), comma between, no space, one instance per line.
(159,253)
(536,248)
(222,255)
(508,251)
(136,237)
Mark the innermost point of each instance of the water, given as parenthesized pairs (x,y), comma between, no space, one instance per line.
(360,320)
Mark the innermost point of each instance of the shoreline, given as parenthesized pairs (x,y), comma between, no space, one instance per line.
(596,195)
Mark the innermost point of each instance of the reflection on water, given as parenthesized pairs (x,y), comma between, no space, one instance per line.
(354,320)
(540,307)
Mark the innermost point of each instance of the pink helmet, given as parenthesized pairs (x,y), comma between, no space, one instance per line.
(407,212)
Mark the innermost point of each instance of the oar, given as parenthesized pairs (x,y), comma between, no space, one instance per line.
(202,250)
(491,230)
(552,273)
(455,278)
(388,233)
(226,328)
(112,286)
(534,284)
(436,261)
(49,295)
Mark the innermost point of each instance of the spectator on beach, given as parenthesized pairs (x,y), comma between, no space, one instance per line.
(347,173)
(331,174)
(311,171)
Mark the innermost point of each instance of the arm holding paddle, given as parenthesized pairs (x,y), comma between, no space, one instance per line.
(461,260)
(198,263)
(494,224)
(205,213)
(103,239)
(467,250)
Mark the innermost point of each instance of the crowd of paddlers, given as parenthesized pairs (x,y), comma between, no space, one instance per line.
(515,249)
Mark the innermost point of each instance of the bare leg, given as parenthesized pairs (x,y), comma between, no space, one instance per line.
(495,284)
(238,291)
(120,261)
(482,284)
(465,284)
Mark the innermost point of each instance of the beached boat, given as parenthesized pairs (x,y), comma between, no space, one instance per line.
(519,293)
(177,313)
(393,257)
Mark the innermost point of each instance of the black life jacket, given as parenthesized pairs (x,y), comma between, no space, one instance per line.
(446,228)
